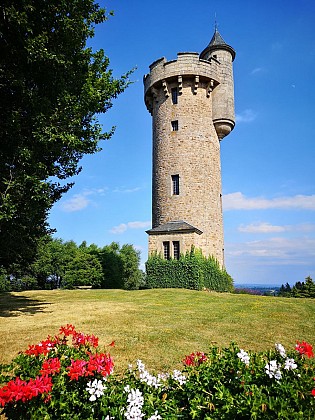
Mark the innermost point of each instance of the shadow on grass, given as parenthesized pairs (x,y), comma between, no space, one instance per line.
(15,305)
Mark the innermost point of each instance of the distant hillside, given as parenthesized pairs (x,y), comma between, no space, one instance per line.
(257,289)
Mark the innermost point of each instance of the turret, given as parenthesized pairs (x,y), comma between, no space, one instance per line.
(223,96)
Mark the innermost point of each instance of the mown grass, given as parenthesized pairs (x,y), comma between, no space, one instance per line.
(158,326)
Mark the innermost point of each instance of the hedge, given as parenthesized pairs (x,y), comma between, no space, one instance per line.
(190,271)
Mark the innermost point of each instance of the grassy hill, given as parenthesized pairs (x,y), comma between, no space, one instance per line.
(156,326)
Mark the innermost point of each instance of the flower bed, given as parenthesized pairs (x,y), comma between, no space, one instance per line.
(68,377)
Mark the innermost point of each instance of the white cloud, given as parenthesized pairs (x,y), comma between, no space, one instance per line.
(238,201)
(261,228)
(256,70)
(76,203)
(119,229)
(130,225)
(246,116)
(80,201)
(126,190)
(266,227)
(274,251)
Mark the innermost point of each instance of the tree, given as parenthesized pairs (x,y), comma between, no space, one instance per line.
(131,275)
(84,270)
(51,88)
(112,266)
(52,261)
(120,266)
(285,291)
(309,287)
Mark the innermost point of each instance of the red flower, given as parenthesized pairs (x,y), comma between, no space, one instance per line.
(304,348)
(92,340)
(43,347)
(80,339)
(112,344)
(313,392)
(16,389)
(77,369)
(69,329)
(50,366)
(101,363)
(40,385)
(195,359)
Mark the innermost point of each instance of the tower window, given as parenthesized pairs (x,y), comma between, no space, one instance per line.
(174,125)
(176,250)
(175,95)
(166,250)
(175,184)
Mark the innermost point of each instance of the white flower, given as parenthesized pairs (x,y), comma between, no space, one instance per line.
(243,356)
(140,365)
(155,416)
(96,389)
(179,377)
(290,364)
(146,377)
(281,350)
(273,370)
(135,398)
(135,401)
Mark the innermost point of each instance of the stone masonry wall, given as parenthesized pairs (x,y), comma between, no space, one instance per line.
(186,240)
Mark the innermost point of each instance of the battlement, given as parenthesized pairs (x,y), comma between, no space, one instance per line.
(188,64)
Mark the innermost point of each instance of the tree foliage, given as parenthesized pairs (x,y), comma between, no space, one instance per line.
(299,289)
(120,266)
(51,86)
(84,270)
(67,265)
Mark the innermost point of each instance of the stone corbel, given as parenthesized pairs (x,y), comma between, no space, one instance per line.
(155,94)
(180,85)
(210,87)
(196,85)
(149,104)
(165,89)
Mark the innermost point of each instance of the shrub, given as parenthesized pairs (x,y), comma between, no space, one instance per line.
(5,285)
(66,376)
(191,271)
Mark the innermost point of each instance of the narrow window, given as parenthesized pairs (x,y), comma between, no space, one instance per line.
(176,250)
(174,125)
(166,250)
(175,184)
(175,95)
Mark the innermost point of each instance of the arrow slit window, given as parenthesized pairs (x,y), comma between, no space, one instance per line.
(175,184)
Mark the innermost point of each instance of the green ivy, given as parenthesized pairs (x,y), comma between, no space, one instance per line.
(190,271)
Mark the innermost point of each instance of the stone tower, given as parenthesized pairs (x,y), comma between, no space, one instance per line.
(191,101)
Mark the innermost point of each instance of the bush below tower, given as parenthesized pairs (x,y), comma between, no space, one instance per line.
(190,271)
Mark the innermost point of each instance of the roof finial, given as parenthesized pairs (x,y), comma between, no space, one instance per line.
(215,22)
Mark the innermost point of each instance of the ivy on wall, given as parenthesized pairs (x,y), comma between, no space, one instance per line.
(190,271)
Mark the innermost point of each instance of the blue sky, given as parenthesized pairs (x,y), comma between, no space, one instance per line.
(267,161)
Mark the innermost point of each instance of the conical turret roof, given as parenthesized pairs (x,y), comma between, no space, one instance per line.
(217,43)
(217,39)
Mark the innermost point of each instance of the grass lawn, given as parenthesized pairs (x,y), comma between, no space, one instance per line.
(158,326)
